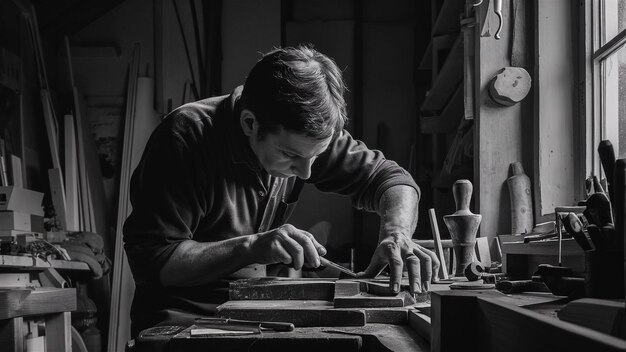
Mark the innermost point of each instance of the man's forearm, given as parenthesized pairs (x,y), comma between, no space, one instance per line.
(196,263)
(398,209)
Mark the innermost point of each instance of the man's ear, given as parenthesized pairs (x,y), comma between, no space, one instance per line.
(249,123)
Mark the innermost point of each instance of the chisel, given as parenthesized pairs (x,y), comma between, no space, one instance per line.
(326,262)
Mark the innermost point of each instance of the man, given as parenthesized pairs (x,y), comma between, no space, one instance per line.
(219,178)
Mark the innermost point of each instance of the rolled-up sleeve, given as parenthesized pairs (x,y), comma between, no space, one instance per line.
(166,207)
(349,168)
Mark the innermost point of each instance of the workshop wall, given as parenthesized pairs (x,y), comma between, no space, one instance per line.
(249,28)
(20,105)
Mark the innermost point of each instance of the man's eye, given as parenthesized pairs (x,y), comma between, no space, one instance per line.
(289,155)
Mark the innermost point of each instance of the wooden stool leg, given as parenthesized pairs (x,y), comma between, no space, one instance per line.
(12,334)
(59,332)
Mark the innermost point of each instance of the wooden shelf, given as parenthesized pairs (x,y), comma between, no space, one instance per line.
(27,262)
(427,59)
(448,79)
(448,120)
(448,19)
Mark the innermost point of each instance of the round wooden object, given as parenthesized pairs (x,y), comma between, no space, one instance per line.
(471,285)
(510,86)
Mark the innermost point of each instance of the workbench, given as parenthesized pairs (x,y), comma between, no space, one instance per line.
(20,301)
(442,320)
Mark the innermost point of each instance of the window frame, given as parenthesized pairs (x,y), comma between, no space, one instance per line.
(596,55)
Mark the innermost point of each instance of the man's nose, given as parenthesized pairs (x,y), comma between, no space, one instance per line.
(302,168)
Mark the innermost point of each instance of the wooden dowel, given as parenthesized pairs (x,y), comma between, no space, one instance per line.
(434,226)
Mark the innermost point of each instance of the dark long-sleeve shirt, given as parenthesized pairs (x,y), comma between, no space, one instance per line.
(199,179)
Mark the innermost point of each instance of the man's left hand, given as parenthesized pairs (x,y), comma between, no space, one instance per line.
(398,250)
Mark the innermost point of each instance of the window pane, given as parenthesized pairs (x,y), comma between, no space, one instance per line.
(613,70)
(613,19)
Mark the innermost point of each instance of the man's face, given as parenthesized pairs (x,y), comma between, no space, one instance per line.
(283,153)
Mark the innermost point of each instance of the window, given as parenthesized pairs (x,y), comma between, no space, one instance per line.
(609,72)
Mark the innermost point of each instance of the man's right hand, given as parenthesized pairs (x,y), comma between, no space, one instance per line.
(286,244)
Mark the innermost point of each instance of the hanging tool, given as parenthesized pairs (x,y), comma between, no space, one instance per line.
(497,8)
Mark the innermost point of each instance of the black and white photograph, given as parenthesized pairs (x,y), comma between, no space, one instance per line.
(312,175)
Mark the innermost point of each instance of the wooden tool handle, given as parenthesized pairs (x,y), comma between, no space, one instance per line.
(607,158)
(619,187)
(462,191)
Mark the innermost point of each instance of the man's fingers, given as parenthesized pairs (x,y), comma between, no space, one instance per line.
(280,254)
(391,251)
(436,264)
(426,266)
(307,241)
(413,267)
(321,250)
(294,249)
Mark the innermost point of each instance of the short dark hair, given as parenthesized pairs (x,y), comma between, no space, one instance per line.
(299,89)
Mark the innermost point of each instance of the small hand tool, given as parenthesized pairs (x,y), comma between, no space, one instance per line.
(603,237)
(263,325)
(574,227)
(475,271)
(326,262)
(598,209)
(519,286)
(607,158)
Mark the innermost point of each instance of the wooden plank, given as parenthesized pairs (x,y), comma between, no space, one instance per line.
(447,81)
(442,46)
(57,193)
(51,278)
(426,62)
(420,323)
(22,262)
(506,324)
(59,332)
(387,315)
(366,300)
(558,175)
(12,280)
(71,174)
(434,226)
(601,315)
(499,132)
(22,302)
(120,306)
(255,289)
(482,251)
(17,172)
(347,288)
(300,313)
(309,339)
(450,117)
(524,330)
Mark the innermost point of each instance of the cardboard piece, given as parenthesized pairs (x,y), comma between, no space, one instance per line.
(15,220)
(21,199)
